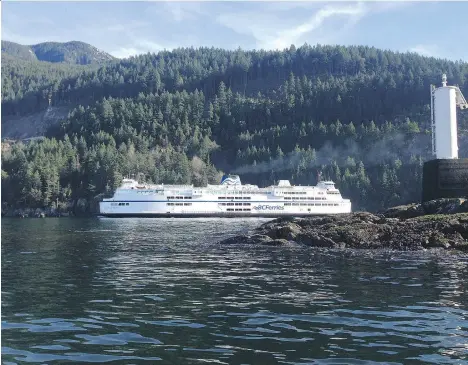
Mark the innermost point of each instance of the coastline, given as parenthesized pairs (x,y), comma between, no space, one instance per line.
(439,224)
(75,208)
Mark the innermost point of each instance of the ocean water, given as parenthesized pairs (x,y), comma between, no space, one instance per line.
(139,291)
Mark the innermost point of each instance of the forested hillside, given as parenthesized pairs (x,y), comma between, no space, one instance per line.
(359,114)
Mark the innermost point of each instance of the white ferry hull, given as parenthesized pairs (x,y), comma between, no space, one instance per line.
(212,209)
(229,199)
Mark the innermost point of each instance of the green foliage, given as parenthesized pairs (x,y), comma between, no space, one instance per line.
(48,172)
(358,114)
(28,86)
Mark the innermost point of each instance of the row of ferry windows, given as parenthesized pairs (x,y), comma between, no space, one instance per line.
(305,198)
(179,197)
(234,197)
(298,193)
(230,204)
(120,204)
(237,210)
(312,204)
(172,204)
(234,193)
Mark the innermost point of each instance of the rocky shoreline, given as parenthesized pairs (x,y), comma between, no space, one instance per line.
(436,224)
(75,208)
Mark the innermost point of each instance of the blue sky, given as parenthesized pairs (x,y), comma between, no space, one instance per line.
(126,28)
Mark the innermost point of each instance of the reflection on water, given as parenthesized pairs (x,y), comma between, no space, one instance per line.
(161,290)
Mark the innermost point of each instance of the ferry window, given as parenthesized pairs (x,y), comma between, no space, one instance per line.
(221,197)
(246,203)
(229,210)
(127,204)
(187,203)
(247,197)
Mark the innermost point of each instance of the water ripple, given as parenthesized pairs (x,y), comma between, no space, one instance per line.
(146,290)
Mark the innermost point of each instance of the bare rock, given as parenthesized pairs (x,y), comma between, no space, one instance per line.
(369,231)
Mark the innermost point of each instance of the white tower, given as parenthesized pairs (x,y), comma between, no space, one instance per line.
(444,102)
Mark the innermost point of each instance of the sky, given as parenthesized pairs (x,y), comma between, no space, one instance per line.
(127,28)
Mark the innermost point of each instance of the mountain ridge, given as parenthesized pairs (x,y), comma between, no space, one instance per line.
(72,52)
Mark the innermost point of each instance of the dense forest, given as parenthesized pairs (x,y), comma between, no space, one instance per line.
(358,114)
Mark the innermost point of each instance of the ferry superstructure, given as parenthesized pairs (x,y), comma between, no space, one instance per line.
(228,199)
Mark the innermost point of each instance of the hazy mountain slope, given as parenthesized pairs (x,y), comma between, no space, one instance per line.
(18,51)
(33,125)
(70,52)
(73,52)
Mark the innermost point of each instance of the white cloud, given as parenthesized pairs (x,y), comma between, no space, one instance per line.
(272,30)
(429,50)
(179,11)
(139,47)
(115,26)
(152,46)
(294,35)
(125,52)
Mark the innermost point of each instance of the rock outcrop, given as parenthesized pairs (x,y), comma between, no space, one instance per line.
(440,206)
(79,208)
(438,224)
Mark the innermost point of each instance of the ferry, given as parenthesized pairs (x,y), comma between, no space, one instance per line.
(230,198)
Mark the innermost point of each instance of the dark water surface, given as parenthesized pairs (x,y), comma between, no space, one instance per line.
(134,291)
